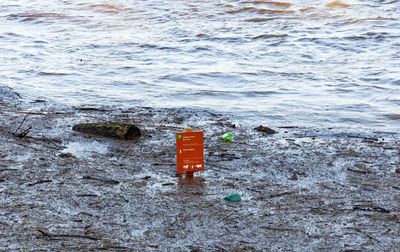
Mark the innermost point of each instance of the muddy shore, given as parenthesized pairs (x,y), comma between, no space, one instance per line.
(302,189)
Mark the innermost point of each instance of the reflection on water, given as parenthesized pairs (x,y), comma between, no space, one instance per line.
(309,62)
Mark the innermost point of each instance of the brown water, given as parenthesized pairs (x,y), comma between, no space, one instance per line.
(310,63)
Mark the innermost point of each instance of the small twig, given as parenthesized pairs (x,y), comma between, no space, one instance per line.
(44,233)
(281,194)
(36,112)
(254,190)
(87,214)
(358,171)
(326,187)
(3,170)
(165,164)
(87,195)
(49,142)
(40,182)
(23,120)
(27,146)
(280,229)
(48,235)
(92,109)
(52,142)
(226,217)
(145,157)
(371,209)
(366,234)
(79,236)
(108,181)
(25,132)
(168,184)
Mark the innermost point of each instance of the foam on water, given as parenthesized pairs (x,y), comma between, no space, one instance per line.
(83,149)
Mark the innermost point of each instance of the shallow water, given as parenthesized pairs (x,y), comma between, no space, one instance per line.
(309,63)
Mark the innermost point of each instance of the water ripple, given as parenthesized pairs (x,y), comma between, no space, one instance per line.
(287,62)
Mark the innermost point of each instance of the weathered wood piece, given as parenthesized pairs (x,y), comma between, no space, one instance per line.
(114,130)
(265,130)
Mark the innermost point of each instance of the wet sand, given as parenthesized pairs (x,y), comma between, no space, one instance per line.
(302,189)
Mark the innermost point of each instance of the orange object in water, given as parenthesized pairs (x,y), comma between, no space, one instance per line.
(189,152)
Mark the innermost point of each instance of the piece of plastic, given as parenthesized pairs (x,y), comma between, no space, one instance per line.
(227,137)
(233,198)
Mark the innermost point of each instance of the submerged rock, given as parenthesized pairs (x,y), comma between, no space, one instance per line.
(114,130)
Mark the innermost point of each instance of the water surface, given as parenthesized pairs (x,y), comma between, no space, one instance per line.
(308,63)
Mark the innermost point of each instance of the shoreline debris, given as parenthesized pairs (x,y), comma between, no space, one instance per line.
(227,137)
(233,198)
(112,130)
(25,132)
(265,130)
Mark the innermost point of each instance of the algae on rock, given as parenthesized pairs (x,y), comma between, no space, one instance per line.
(114,130)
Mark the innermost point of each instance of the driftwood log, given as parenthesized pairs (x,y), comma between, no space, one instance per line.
(265,130)
(114,130)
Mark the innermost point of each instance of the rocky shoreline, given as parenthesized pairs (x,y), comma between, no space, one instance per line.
(302,189)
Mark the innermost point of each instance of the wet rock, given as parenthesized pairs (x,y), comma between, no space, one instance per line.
(113,130)
(265,130)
